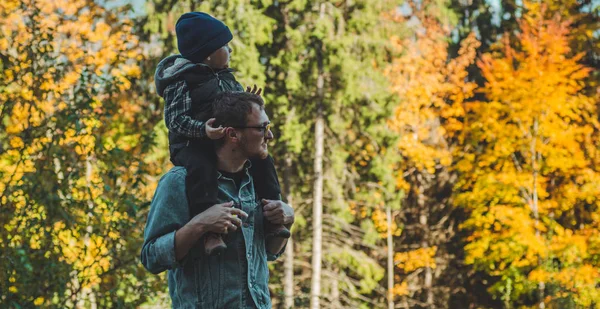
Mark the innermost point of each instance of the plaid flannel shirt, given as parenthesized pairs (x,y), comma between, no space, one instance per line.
(178,110)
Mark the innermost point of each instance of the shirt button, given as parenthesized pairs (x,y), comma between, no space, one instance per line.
(248,255)
(250,285)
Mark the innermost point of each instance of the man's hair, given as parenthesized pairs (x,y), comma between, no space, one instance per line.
(231,109)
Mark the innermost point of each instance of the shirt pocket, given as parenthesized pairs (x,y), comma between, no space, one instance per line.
(250,208)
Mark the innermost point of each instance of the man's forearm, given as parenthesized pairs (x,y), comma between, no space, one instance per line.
(185,238)
(275,244)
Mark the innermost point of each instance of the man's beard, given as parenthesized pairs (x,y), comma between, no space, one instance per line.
(256,155)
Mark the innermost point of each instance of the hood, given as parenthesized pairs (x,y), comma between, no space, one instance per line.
(170,69)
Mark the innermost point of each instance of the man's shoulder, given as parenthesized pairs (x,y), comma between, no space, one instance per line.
(175,174)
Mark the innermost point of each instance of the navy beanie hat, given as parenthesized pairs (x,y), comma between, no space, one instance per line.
(199,35)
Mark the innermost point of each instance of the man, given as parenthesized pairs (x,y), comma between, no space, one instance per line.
(238,277)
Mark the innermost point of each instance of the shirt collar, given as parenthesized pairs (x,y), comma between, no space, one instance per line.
(246,168)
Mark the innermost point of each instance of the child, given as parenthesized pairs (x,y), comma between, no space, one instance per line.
(189,83)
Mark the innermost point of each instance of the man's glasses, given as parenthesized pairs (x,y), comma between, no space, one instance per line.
(264,128)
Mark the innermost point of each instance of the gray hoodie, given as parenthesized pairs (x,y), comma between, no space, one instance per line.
(169,70)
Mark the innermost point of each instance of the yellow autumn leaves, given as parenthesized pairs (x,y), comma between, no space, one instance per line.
(66,67)
(525,152)
(531,187)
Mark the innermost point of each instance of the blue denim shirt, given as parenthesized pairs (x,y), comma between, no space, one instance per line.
(237,278)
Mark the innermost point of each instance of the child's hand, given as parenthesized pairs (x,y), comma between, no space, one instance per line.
(212,132)
(254,90)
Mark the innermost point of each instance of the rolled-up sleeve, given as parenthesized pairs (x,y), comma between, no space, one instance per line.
(168,213)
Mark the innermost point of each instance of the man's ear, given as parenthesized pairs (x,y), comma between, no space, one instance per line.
(231,133)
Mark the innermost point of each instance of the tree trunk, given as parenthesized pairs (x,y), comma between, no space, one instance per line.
(335,292)
(88,293)
(390,258)
(288,281)
(317,219)
(317,209)
(429,287)
(534,206)
(424,221)
(317,215)
(288,264)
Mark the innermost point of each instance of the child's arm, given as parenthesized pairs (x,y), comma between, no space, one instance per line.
(178,108)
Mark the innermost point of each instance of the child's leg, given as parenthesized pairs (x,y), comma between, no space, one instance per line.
(201,186)
(266,185)
(174,155)
(201,176)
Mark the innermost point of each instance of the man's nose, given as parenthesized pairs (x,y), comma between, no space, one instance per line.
(269,135)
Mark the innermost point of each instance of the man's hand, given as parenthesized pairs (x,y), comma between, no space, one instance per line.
(220,218)
(211,131)
(278,212)
(254,90)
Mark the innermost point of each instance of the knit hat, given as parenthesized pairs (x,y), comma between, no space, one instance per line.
(199,35)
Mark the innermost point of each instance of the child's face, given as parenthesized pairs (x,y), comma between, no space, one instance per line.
(220,58)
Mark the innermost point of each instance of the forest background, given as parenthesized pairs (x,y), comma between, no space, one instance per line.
(438,154)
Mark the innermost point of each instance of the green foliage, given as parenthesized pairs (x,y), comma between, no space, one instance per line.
(82,146)
(358,264)
(285,46)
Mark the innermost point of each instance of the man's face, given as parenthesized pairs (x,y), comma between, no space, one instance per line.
(253,141)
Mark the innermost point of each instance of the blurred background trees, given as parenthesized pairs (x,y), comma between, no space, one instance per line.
(439,154)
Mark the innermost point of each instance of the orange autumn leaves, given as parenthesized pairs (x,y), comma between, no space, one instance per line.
(526,156)
(540,160)
(432,93)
